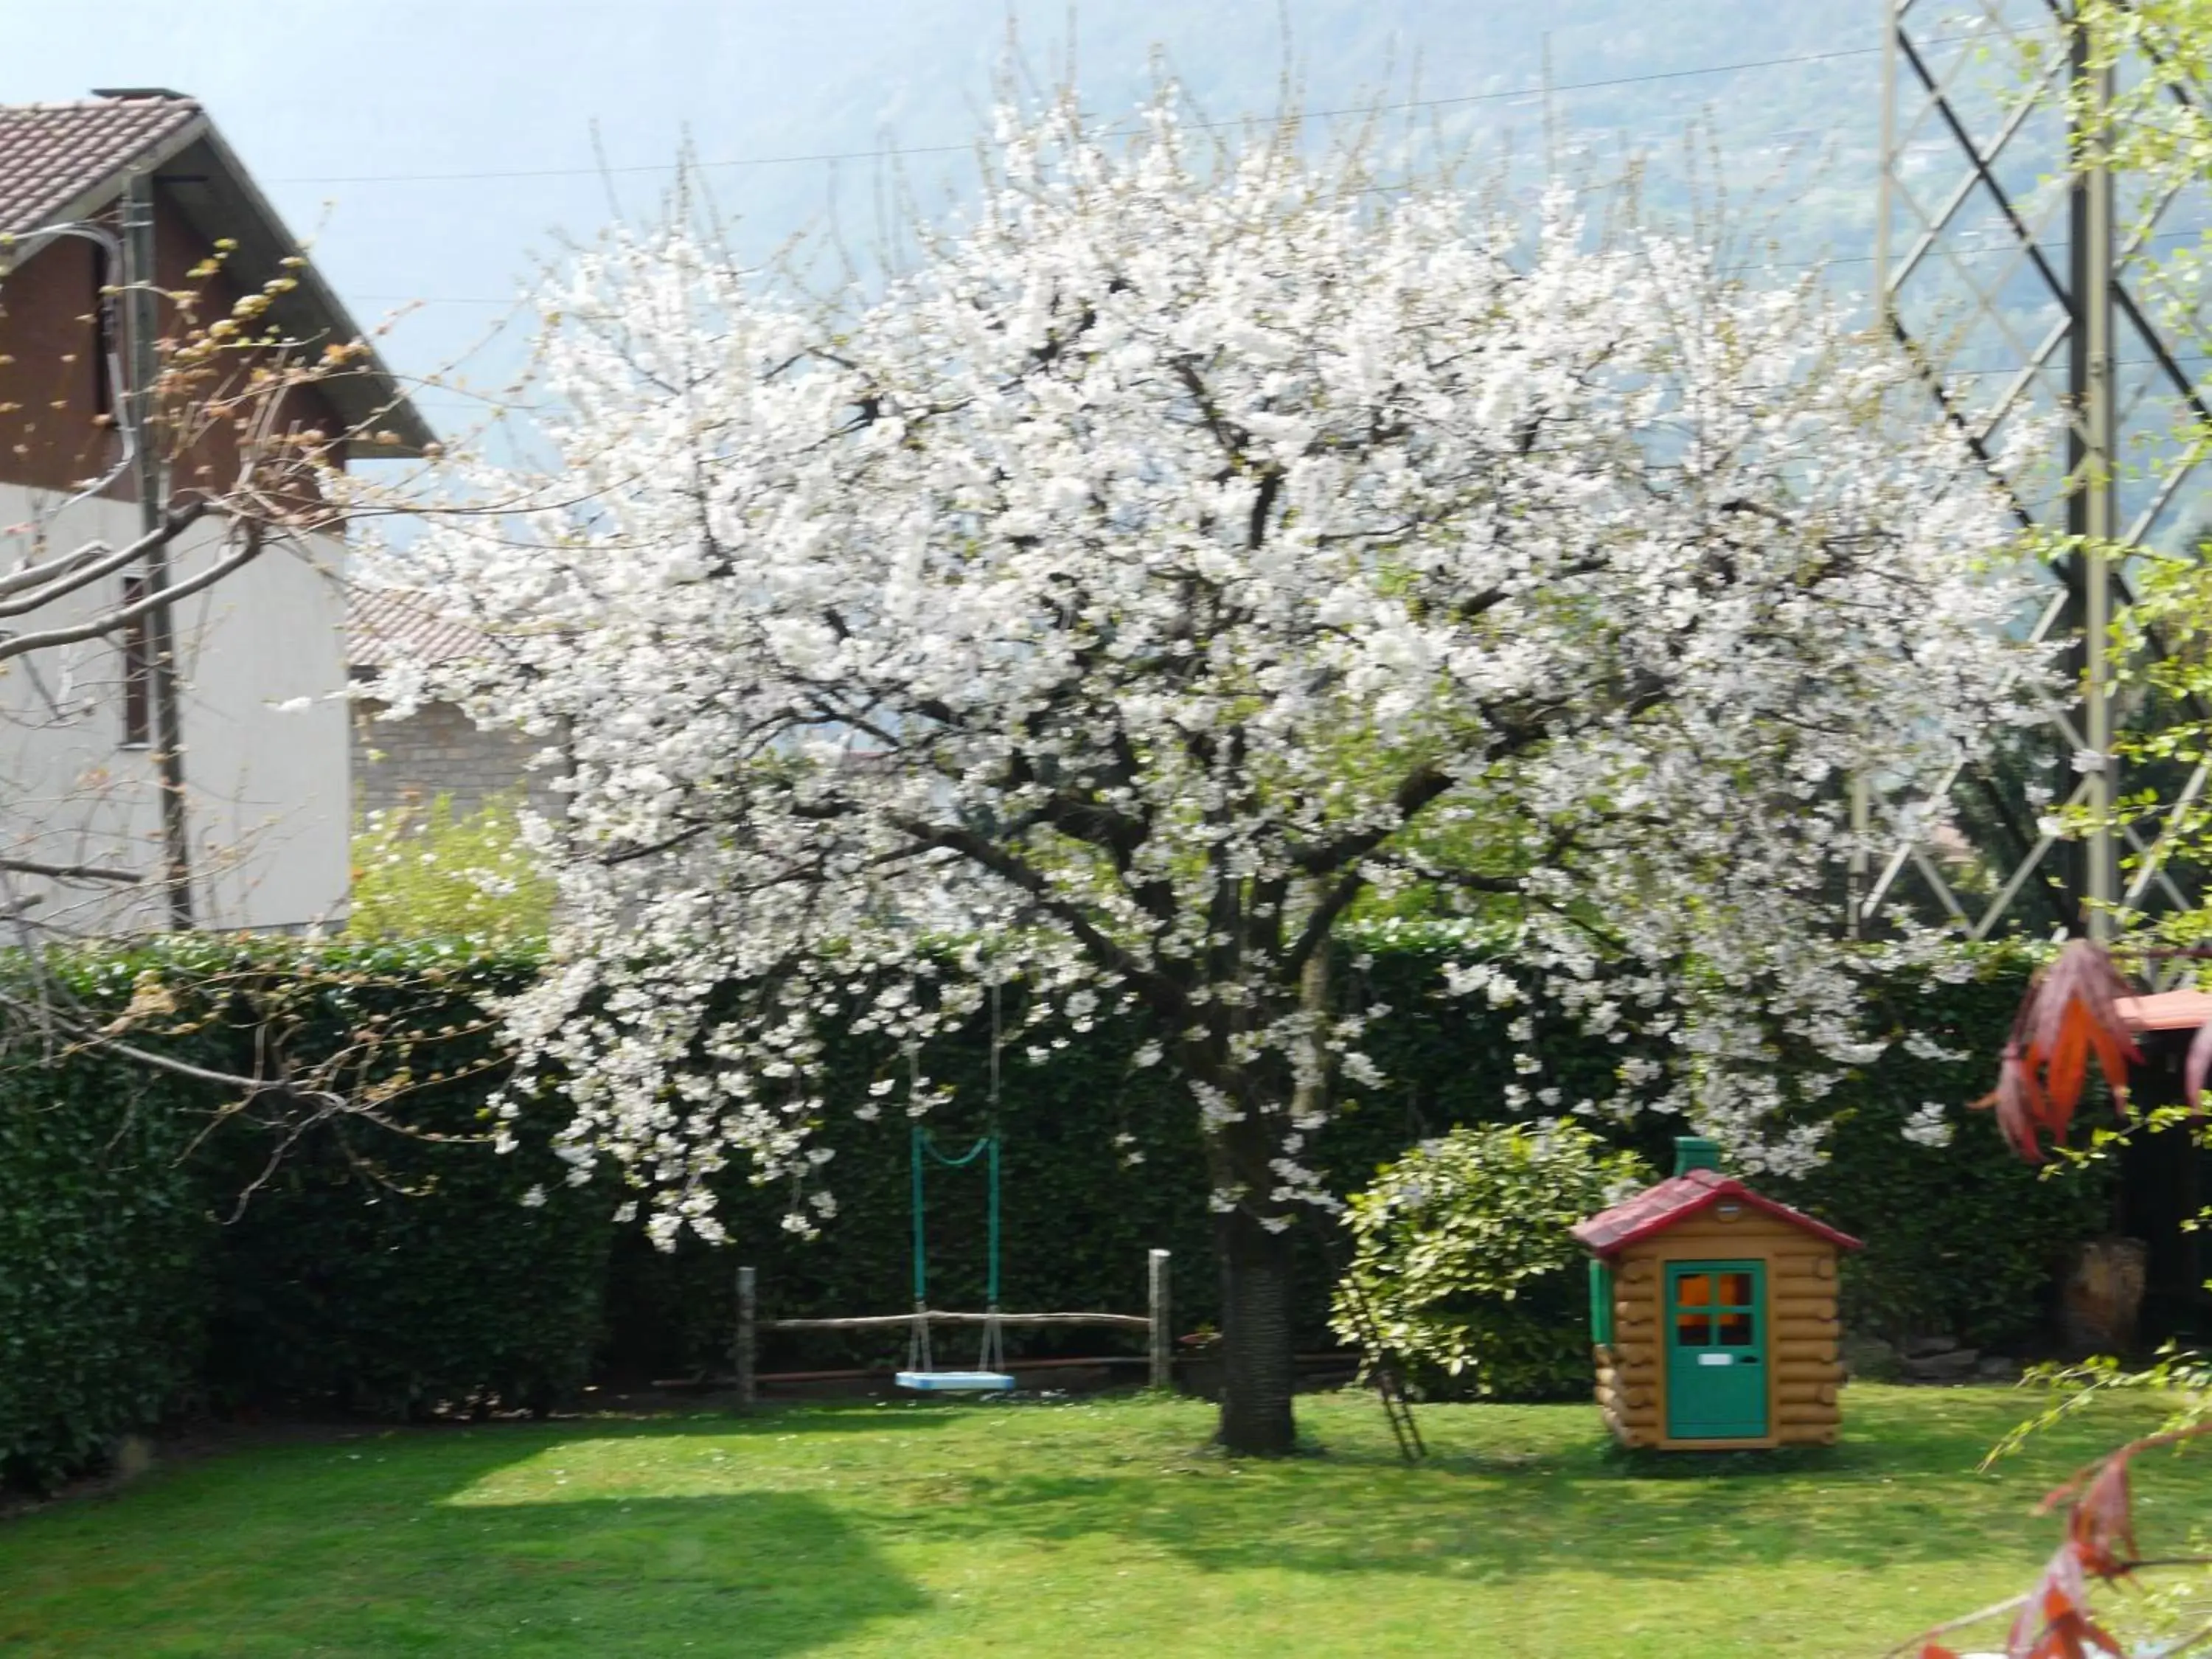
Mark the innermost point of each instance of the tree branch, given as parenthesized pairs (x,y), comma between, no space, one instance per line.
(71,872)
(122,617)
(56,578)
(1162,991)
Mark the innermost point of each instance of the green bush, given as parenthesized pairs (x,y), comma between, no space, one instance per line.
(382,1271)
(397,1277)
(423,871)
(104,1265)
(392,1264)
(1463,1253)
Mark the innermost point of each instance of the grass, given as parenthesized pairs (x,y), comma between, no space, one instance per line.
(1065,1528)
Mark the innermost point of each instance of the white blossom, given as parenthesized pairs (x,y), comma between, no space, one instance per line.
(1929,1126)
(1193,542)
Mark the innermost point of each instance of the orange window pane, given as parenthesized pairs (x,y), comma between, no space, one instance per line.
(1734,1329)
(1735,1289)
(1694,1289)
(1692,1331)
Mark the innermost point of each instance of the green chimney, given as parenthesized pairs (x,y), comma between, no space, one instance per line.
(1695,1152)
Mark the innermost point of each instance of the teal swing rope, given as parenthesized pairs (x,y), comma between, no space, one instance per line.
(923,1144)
(989,1371)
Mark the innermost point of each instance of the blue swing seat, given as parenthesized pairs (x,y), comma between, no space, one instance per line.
(955,1381)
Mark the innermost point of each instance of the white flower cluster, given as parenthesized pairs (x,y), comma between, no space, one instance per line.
(1930,1126)
(1195,543)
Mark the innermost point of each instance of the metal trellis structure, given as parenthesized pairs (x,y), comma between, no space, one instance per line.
(2012,266)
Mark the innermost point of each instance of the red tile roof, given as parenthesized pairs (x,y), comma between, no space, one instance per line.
(51,155)
(63,161)
(387,626)
(1658,1208)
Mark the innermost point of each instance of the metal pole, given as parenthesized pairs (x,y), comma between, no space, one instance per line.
(2091,451)
(1892,22)
(748,1325)
(1161,1337)
(141,278)
(1859,876)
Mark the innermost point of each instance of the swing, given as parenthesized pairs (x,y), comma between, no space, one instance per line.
(990,1375)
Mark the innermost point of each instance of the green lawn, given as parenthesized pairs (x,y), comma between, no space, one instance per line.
(1048,1529)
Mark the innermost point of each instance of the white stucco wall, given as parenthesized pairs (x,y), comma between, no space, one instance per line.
(269,792)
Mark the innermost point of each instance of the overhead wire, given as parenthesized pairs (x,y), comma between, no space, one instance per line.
(892,152)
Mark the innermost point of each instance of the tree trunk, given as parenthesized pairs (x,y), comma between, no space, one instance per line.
(1258,1364)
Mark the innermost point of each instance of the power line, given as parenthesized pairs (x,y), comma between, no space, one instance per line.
(889,153)
(1994,245)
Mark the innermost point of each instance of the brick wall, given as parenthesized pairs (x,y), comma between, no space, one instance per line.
(437,751)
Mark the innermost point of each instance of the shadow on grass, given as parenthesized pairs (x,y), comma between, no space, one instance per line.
(402,1569)
(781,1418)
(752,1572)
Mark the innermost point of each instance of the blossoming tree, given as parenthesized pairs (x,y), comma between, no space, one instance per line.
(1199,540)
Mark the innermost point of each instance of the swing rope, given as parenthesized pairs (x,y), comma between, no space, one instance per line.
(925,1151)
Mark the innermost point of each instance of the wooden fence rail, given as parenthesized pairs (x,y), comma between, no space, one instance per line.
(1159,1343)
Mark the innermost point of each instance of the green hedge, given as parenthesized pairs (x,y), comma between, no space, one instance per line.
(104,1252)
(1963,1239)
(390,1274)
(441,1289)
(397,1275)
(1960,1238)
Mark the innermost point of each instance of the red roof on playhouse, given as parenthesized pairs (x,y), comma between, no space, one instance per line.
(1680,1197)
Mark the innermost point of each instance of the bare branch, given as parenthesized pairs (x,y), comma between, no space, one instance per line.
(39,586)
(71,872)
(114,622)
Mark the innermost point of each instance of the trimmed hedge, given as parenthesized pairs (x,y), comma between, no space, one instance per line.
(430,1285)
(372,1271)
(104,1245)
(1960,1238)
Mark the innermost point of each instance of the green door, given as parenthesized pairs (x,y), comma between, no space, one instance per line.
(1716,1358)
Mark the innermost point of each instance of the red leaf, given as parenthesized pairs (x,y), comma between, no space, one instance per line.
(2070,1014)
(2055,1623)
(2078,1013)
(2102,1527)
(2018,1105)
(2083,973)
(1937,1650)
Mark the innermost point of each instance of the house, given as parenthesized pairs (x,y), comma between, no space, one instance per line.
(243,820)
(1713,1313)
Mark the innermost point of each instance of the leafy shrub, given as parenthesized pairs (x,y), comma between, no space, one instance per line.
(386,1272)
(1961,1238)
(421,872)
(1463,1252)
(391,1264)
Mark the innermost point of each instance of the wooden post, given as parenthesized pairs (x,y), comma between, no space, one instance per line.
(1163,1334)
(746,1321)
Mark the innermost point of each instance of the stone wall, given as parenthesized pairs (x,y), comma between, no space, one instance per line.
(439,751)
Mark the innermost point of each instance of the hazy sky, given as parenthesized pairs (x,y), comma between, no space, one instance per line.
(358,117)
